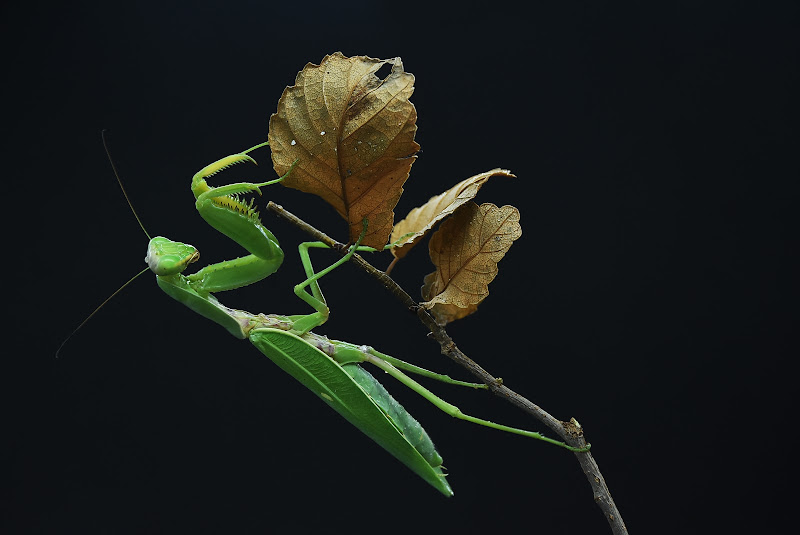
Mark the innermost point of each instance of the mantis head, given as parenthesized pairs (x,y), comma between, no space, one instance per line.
(167,257)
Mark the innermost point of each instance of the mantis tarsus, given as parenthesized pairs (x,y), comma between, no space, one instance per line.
(329,368)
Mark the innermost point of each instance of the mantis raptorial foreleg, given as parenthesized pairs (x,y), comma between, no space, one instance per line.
(222,209)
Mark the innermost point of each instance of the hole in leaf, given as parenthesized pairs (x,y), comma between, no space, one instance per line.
(384,71)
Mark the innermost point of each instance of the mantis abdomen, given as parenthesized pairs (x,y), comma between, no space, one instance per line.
(359,398)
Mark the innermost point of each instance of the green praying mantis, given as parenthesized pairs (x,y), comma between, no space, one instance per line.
(331,369)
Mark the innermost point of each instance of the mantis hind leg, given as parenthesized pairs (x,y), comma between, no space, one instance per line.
(347,354)
(448,408)
(411,368)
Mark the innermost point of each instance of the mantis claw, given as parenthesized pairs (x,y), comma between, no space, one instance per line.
(223,163)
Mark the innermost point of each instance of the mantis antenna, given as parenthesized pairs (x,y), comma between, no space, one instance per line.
(127,199)
(118,290)
(96,310)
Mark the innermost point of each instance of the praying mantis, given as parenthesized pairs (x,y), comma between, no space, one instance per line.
(331,369)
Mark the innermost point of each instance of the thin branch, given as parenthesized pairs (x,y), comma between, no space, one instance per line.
(570,432)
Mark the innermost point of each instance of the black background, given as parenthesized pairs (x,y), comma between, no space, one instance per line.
(651,296)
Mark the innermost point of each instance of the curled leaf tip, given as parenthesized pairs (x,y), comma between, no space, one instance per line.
(422,219)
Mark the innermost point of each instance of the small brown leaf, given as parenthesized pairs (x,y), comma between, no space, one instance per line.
(352,135)
(423,218)
(465,251)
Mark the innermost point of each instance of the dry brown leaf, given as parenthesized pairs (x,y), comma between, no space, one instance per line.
(465,251)
(423,218)
(353,137)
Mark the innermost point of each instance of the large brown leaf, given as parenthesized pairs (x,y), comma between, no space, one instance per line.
(465,251)
(352,135)
(423,218)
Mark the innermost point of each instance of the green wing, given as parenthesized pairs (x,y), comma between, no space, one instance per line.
(357,396)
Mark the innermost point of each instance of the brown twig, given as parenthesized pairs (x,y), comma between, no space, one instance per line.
(570,432)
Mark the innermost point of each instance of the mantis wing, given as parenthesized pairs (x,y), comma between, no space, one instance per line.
(368,407)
